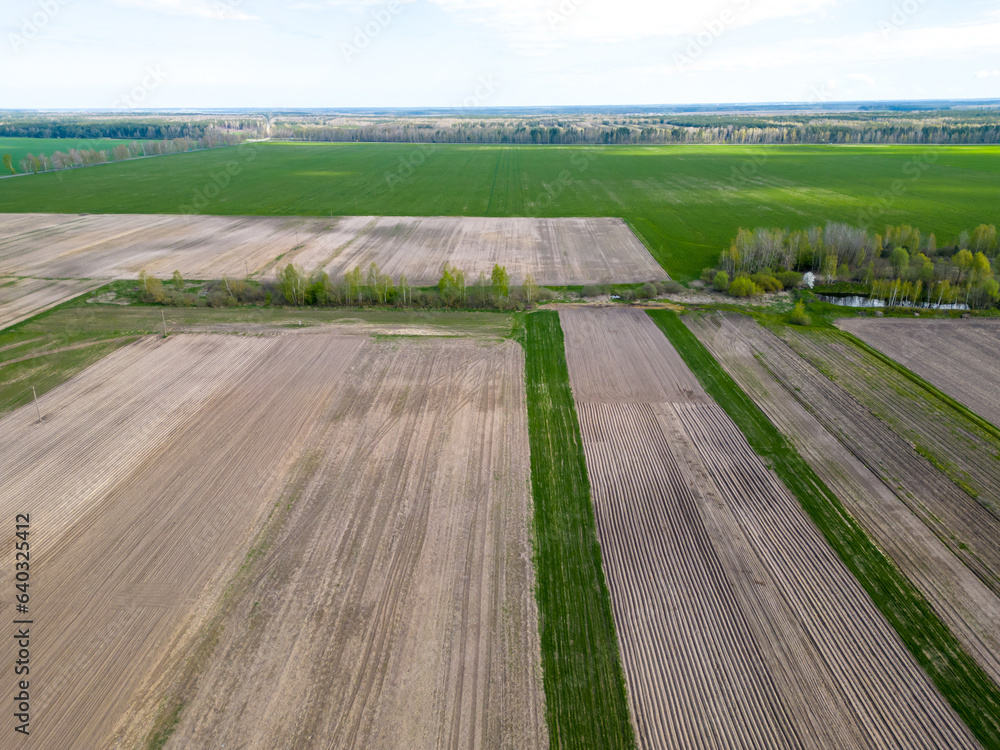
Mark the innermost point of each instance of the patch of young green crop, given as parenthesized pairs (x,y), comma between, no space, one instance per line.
(970,691)
(585,694)
(685,202)
(842,287)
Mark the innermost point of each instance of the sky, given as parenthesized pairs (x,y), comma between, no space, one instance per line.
(138,54)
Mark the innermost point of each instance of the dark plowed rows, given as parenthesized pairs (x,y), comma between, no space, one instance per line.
(739,626)
(682,610)
(965,451)
(962,524)
(970,609)
(961,357)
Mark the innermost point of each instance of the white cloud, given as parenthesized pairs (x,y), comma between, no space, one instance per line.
(862,78)
(529,24)
(937,42)
(348,5)
(228,10)
(987,73)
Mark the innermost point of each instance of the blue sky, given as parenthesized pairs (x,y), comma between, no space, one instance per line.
(356,53)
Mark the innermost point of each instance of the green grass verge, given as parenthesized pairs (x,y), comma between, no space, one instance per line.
(684,201)
(584,682)
(53,346)
(963,683)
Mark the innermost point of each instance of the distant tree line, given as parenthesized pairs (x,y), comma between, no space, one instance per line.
(126,129)
(85,157)
(861,132)
(901,266)
(463,126)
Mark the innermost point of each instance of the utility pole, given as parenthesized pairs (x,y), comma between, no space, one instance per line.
(163,317)
(38,411)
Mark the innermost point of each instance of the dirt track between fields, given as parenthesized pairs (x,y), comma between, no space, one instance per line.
(739,626)
(558,252)
(396,602)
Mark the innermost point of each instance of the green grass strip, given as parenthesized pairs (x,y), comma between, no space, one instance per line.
(963,683)
(584,682)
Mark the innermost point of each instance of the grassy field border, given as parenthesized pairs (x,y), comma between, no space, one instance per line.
(969,690)
(585,692)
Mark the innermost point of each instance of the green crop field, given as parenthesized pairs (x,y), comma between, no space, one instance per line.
(18,148)
(686,202)
(584,682)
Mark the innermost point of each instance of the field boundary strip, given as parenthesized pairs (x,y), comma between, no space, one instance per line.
(969,690)
(933,390)
(584,681)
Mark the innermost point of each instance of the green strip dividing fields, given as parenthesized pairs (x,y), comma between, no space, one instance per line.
(975,698)
(983,424)
(584,682)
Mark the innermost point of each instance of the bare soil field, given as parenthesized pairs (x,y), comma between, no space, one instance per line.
(397,601)
(557,252)
(750,353)
(963,450)
(963,524)
(20,298)
(961,357)
(739,626)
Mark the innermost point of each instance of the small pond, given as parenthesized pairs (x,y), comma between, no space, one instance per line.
(857,300)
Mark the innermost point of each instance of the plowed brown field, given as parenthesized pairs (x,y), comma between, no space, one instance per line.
(739,626)
(556,251)
(22,298)
(965,451)
(961,357)
(396,601)
(750,354)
